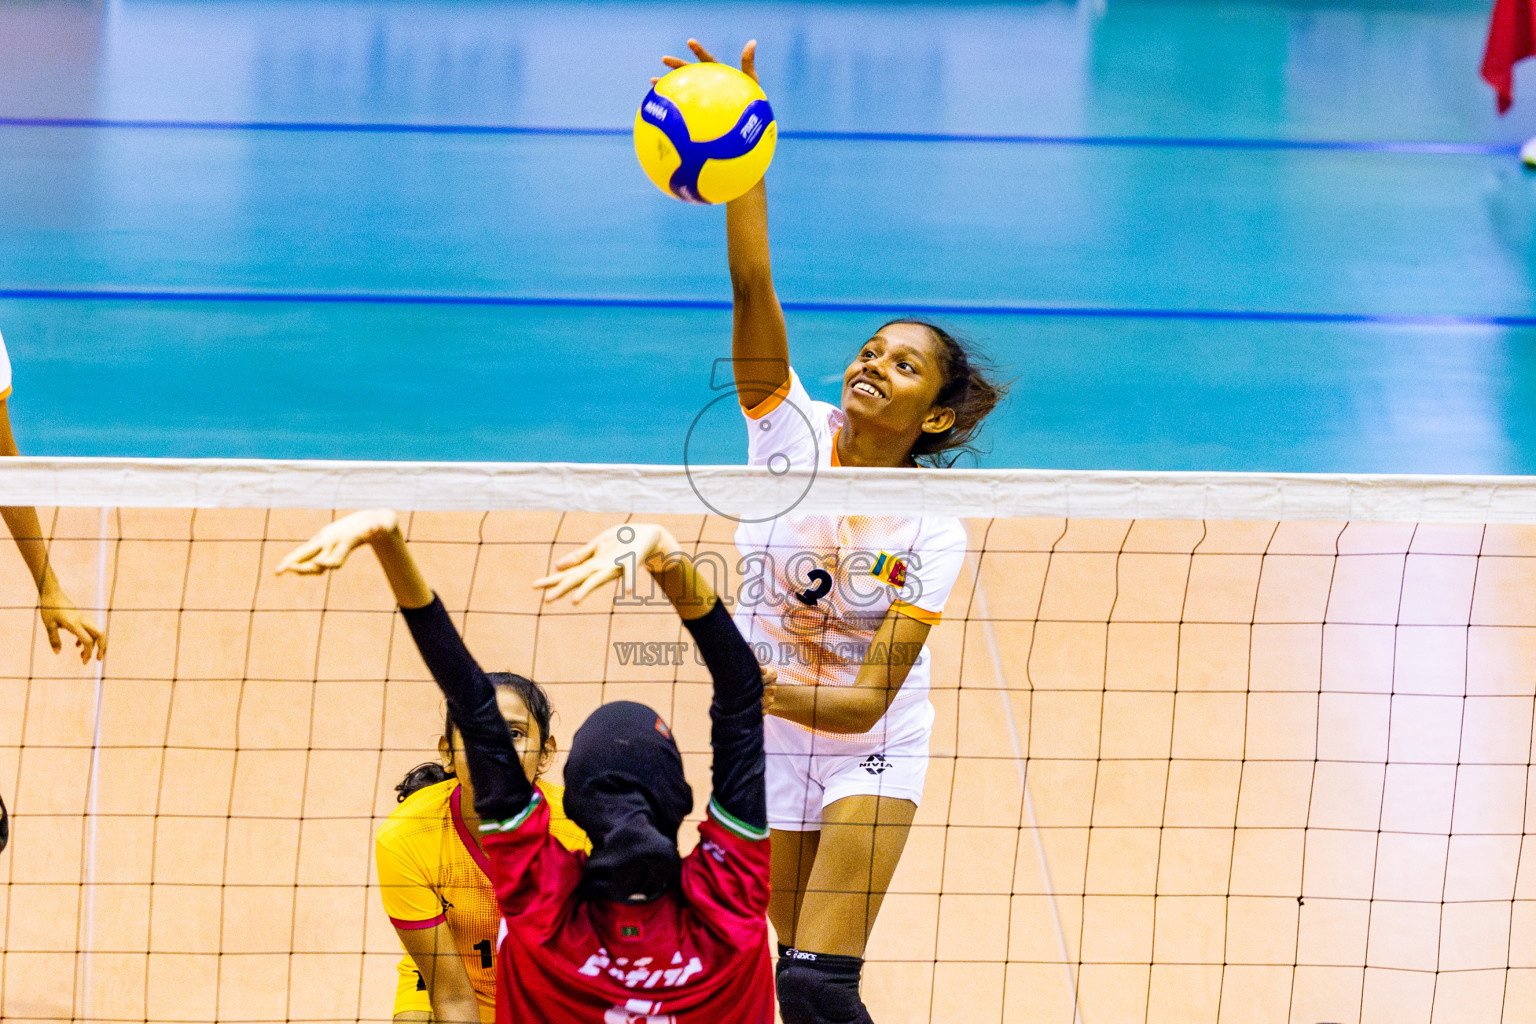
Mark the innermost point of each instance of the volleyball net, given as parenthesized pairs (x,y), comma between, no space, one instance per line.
(1207,748)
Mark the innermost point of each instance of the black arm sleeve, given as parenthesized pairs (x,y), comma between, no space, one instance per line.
(736,717)
(502,791)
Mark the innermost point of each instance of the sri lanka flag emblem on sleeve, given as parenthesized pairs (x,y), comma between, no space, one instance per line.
(890,569)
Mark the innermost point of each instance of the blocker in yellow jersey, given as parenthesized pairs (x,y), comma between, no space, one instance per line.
(432,871)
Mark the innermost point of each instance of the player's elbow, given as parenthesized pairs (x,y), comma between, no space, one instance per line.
(454,1001)
(750,281)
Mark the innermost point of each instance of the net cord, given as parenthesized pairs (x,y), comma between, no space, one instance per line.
(757,492)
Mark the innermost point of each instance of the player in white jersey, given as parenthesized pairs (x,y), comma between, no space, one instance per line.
(844,605)
(57,610)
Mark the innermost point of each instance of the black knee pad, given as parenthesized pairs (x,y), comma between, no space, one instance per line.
(817,988)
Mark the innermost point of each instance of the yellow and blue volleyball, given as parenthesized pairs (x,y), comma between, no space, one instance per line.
(705,133)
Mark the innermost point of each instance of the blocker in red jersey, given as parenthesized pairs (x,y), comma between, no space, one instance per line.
(634,931)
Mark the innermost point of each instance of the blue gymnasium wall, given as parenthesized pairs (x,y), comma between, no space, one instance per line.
(1244,276)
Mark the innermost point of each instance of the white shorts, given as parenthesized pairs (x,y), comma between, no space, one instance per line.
(806,772)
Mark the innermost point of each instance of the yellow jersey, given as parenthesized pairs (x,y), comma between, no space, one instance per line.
(431,871)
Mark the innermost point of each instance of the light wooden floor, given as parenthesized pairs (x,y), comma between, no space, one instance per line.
(1182,772)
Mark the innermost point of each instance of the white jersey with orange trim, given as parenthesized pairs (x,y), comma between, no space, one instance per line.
(5,371)
(815,588)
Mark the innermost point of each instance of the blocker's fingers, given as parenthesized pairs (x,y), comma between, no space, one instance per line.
(699,51)
(561,583)
(674,62)
(332,557)
(578,556)
(567,582)
(298,555)
(324,556)
(596,580)
(749,59)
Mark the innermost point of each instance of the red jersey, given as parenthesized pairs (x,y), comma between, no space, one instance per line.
(698,955)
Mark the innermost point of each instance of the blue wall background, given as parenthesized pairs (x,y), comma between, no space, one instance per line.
(1199,235)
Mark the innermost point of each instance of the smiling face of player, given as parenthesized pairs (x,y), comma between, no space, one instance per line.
(892,385)
(533,748)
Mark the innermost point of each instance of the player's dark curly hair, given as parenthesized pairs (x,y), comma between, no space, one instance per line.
(420,777)
(971,388)
(539,709)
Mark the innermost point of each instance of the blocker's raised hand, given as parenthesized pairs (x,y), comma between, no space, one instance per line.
(748,58)
(329,547)
(616,552)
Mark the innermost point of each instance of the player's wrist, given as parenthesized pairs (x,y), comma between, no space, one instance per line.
(49,593)
(380,526)
(667,558)
(384,520)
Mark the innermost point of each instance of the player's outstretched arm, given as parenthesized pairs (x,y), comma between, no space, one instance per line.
(57,610)
(759,342)
(502,791)
(736,713)
(759,339)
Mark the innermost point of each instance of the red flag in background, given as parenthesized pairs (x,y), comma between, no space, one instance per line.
(1511,38)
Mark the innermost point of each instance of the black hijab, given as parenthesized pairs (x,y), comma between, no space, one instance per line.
(624,786)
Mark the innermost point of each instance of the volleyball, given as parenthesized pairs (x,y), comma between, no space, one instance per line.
(705,133)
